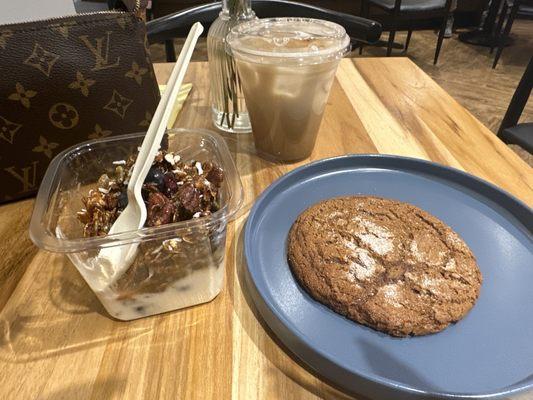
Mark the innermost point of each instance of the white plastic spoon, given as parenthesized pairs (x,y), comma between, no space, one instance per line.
(115,260)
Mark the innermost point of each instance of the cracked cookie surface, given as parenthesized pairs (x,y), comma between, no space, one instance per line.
(385,264)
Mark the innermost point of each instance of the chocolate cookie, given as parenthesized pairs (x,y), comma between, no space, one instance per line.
(384,263)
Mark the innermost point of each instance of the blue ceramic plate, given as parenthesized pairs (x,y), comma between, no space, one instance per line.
(489,354)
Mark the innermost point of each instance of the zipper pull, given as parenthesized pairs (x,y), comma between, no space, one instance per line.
(135,6)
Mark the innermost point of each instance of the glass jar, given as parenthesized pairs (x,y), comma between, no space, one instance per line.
(227,101)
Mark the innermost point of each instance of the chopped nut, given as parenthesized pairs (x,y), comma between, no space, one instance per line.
(159,158)
(170,159)
(119,172)
(103,181)
(198,166)
(215,176)
(172,245)
(94,200)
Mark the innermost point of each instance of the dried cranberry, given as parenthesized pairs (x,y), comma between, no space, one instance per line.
(189,197)
(160,209)
(171,185)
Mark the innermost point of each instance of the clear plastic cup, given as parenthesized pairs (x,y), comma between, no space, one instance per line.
(287,67)
(177,265)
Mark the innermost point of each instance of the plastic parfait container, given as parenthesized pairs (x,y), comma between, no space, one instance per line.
(286,67)
(177,265)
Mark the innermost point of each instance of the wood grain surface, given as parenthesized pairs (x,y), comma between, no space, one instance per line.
(56,341)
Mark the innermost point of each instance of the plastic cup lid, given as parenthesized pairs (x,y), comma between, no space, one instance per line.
(288,38)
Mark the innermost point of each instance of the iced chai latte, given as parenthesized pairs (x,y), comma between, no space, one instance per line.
(287,66)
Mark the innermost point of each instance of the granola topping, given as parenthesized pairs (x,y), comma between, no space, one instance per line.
(173,191)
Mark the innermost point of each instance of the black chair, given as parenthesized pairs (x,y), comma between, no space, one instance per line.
(510,131)
(166,28)
(502,38)
(405,12)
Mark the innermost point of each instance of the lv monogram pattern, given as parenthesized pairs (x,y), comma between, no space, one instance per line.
(66,81)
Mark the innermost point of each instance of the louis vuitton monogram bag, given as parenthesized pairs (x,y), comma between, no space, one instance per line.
(67,80)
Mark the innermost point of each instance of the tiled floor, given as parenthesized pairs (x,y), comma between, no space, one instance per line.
(463,70)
